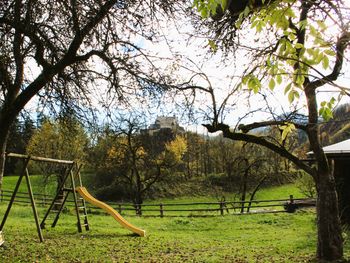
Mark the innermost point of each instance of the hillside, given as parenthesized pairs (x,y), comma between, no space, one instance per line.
(337,129)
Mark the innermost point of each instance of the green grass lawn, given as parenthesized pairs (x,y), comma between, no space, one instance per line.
(277,237)
(250,238)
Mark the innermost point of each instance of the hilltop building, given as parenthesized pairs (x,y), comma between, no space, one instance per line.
(163,123)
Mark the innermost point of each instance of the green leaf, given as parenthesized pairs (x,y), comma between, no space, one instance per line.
(204,12)
(224,5)
(292,95)
(212,45)
(326,109)
(279,79)
(245,79)
(330,52)
(254,84)
(299,46)
(325,62)
(326,113)
(287,88)
(286,129)
(321,25)
(272,84)
(299,80)
(246,11)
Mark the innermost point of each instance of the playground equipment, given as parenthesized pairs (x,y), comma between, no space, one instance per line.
(89,198)
(66,187)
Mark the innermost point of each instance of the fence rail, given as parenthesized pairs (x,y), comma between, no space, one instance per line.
(180,209)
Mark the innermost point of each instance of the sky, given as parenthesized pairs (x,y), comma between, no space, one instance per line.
(220,75)
(193,53)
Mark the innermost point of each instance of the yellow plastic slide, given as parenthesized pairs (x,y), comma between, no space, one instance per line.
(89,198)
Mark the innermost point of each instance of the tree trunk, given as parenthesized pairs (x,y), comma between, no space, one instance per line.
(4,133)
(330,242)
(244,188)
(257,187)
(2,159)
(138,203)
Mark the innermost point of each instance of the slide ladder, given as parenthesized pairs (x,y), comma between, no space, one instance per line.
(58,203)
(89,198)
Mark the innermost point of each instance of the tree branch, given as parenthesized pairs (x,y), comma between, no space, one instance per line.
(227,133)
(255,125)
(342,43)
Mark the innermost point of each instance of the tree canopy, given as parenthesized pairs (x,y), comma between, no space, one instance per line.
(74,54)
(300,46)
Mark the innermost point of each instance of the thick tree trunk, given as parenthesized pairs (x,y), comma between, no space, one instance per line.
(2,159)
(330,242)
(4,133)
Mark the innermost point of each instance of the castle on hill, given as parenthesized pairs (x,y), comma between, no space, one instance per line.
(165,123)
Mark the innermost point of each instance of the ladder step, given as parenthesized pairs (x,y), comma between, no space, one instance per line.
(68,189)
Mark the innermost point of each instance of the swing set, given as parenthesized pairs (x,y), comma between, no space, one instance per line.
(71,183)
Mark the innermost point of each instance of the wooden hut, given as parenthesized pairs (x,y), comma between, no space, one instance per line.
(340,154)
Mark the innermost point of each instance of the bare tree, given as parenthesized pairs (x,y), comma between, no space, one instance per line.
(137,159)
(76,53)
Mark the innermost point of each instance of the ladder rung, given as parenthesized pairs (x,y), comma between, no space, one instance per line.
(68,189)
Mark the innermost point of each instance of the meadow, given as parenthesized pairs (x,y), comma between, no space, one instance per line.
(279,237)
(253,238)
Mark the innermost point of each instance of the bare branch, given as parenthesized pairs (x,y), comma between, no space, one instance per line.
(227,133)
(248,127)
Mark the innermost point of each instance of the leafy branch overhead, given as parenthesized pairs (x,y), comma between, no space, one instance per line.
(303,50)
(299,47)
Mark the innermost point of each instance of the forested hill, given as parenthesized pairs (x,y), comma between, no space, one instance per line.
(338,128)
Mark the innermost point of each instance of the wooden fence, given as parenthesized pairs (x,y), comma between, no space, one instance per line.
(179,209)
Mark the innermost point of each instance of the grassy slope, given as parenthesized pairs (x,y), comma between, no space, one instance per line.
(37,183)
(254,238)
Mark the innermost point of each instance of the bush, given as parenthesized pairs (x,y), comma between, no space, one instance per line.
(113,192)
(305,183)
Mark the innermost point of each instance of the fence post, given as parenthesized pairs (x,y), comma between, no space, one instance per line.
(222,208)
(161,210)
(291,199)
(138,210)
(120,208)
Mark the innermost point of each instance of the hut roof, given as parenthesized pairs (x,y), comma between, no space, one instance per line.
(340,149)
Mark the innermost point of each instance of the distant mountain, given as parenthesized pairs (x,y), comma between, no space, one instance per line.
(338,128)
